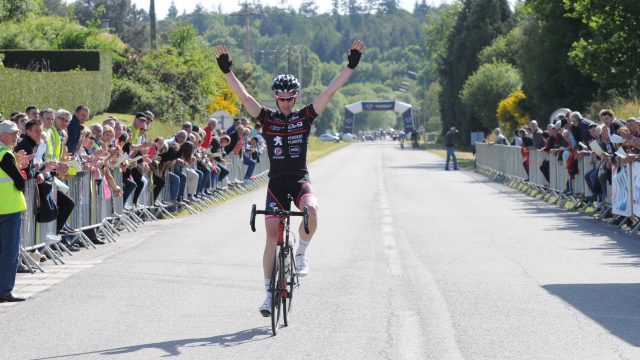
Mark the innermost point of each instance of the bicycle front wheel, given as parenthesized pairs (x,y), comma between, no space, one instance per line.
(292,283)
(276,292)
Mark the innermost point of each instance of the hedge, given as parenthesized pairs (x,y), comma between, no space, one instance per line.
(65,89)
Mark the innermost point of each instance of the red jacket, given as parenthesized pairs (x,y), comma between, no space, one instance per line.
(206,142)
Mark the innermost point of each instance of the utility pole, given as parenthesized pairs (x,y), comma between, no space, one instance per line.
(247,13)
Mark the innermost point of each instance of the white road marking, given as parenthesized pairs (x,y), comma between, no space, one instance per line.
(410,336)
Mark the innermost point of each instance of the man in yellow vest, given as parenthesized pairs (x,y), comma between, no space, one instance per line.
(11,207)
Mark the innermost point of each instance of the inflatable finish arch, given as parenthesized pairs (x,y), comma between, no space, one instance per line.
(401,108)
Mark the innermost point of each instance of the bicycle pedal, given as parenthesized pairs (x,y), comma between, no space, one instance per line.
(265,313)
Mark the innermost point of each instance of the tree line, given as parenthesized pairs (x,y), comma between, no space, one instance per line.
(474,64)
(502,66)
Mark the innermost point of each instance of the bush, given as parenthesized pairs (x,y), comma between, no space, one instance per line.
(129,97)
(483,91)
(66,89)
(510,113)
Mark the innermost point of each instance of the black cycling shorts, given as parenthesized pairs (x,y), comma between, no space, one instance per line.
(295,185)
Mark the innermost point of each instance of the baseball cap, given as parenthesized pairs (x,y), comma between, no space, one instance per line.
(8,127)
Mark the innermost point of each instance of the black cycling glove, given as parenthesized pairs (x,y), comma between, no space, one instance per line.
(354,58)
(224,62)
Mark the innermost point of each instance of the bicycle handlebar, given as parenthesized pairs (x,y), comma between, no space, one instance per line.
(304,213)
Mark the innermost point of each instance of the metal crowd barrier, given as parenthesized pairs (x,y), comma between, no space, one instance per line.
(505,163)
(97,208)
(34,235)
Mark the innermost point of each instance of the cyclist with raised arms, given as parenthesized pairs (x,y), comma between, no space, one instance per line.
(286,132)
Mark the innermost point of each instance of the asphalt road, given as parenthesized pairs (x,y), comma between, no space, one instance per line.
(410,262)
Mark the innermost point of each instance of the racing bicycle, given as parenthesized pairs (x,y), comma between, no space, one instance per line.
(284,279)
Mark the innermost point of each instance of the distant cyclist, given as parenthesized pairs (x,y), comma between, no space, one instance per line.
(286,132)
(402,138)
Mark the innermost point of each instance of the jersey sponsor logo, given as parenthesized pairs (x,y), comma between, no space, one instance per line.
(275,128)
(295,139)
(273,205)
(277,153)
(292,126)
(277,141)
(295,150)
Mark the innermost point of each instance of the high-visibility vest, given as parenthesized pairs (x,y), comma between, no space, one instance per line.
(13,200)
(56,143)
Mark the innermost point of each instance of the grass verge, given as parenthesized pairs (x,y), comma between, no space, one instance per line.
(318,148)
(466,160)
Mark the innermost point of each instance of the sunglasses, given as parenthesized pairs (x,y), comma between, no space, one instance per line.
(286,99)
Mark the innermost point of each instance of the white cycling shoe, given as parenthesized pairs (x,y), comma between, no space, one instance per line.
(302,268)
(265,308)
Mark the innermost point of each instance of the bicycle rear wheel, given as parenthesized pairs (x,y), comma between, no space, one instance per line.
(276,292)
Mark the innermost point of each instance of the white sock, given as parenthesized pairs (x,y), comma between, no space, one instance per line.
(302,247)
(267,285)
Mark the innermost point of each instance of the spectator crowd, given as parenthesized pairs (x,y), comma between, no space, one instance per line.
(51,146)
(570,138)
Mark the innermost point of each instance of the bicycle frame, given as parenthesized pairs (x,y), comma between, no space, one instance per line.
(281,295)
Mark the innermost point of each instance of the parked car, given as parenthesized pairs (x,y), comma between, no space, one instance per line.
(347,137)
(329,138)
(368,136)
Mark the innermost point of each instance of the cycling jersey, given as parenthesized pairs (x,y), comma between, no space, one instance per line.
(287,138)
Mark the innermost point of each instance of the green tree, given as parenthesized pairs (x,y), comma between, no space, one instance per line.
(550,79)
(331,117)
(17,10)
(308,8)
(199,19)
(129,22)
(388,6)
(505,48)
(439,25)
(173,11)
(484,90)
(421,9)
(55,7)
(431,107)
(477,24)
(608,50)
(152,23)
